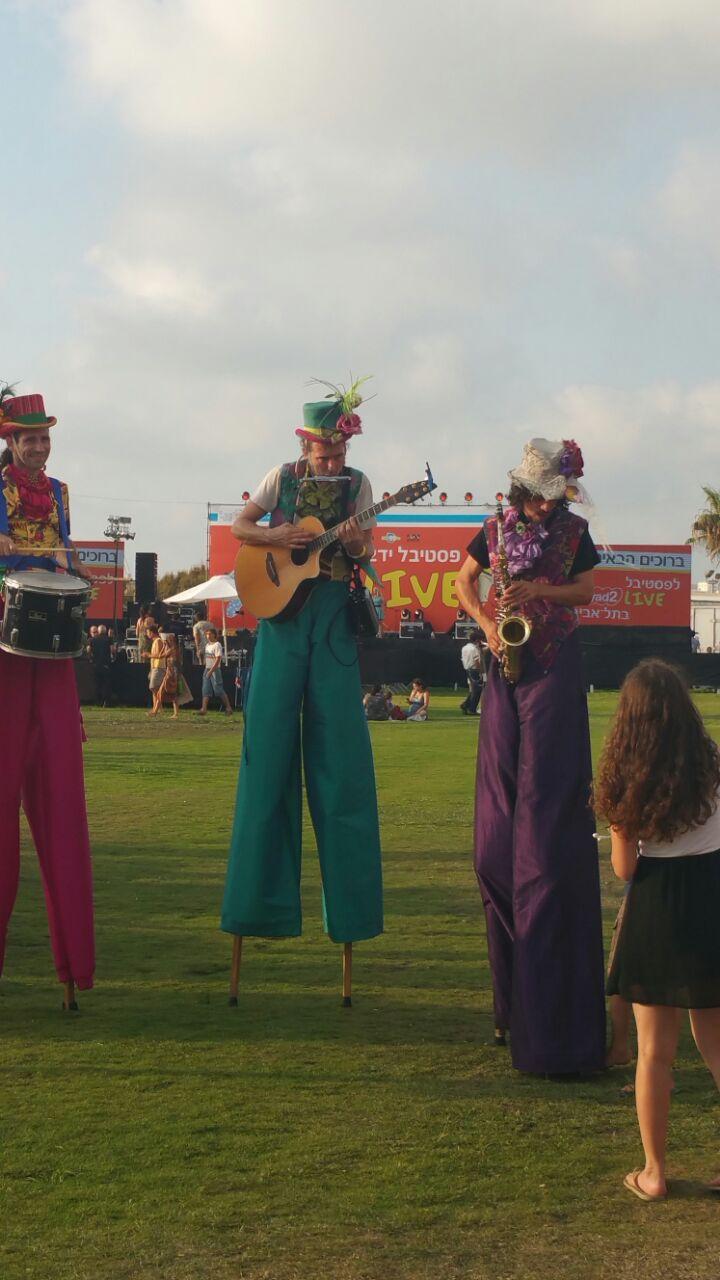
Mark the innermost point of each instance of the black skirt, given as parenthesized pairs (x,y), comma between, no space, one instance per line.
(668,949)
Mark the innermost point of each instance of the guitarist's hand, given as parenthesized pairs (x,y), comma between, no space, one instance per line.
(290,535)
(351,536)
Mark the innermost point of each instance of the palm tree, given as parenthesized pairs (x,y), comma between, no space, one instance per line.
(706,525)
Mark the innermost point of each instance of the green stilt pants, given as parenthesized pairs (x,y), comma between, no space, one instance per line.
(307,665)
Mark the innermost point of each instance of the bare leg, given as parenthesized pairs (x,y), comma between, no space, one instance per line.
(176,708)
(226,704)
(705,1025)
(204,707)
(619,1053)
(658,1028)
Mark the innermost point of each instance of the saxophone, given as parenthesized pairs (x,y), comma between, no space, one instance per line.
(513,628)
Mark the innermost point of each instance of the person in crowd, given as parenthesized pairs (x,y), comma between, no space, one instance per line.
(168,689)
(535,850)
(376,704)
(200,630)
(471,656)
(695,642)
(305,706)
(212,685)
(40,725)
(156,658)
(418,700)
(658,787)
(146,628)
(100,654)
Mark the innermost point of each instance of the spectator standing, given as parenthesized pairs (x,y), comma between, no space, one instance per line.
(156,658)
(201,627)
(471,656)
(658,787)
(100,653)
(212,685)
(145,625)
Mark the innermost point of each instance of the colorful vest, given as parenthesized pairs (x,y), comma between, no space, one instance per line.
(330,503)
(551,623)
(37,533)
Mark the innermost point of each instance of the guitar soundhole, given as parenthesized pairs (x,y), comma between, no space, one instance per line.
(299,555)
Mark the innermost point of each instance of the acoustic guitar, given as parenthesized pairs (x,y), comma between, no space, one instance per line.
(274,581)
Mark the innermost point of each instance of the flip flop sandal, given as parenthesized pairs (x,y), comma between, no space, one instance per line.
(631,1182)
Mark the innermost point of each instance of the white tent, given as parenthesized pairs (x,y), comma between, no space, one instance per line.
(220,587)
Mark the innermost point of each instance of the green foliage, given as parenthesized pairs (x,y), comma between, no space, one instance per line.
(169,584)
(160,1135)
(706,525)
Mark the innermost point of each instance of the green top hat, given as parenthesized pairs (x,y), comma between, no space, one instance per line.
(333,419)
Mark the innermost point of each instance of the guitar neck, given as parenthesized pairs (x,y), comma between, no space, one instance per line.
(331,535)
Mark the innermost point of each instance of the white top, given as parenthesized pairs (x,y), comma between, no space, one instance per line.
(704,839)
(267,494)
(199,629)
(471,657)
(213,650)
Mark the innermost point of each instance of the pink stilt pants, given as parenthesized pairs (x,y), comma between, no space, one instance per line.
(41,767)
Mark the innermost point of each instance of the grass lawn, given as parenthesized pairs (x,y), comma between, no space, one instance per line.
(160,1135)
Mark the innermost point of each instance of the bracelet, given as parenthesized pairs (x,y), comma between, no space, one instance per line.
(358,555)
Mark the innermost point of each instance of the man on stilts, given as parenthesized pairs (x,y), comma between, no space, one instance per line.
(304,709)
(40,725)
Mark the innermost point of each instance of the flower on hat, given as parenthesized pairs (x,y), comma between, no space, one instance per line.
(571,460)
(347,399)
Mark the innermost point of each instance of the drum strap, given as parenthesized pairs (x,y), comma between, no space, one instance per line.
(35,562)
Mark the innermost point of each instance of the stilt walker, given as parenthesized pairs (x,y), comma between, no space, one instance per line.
(40,724)
(304,711)
(535,854)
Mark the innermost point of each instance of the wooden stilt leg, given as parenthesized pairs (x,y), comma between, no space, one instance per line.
(347,975)
(69,1001)
(235,971)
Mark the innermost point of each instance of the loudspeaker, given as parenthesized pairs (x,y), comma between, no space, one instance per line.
(145,577)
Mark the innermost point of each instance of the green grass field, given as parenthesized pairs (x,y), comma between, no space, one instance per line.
(159,1134)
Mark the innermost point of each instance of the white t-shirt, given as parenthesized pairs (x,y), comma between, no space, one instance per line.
(213,650)
(471,657)
(267,494)
(704,839)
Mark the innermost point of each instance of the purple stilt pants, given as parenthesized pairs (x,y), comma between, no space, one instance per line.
(537,864)
(42,769)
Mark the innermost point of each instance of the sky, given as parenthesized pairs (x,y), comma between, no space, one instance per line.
(507,213)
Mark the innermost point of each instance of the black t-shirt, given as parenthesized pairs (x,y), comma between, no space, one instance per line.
(586,556)
(100,651)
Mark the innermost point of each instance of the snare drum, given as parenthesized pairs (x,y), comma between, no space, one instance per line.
(44,614)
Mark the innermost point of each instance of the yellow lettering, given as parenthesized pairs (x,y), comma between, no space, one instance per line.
(425,595)
(449,595)
(395,600)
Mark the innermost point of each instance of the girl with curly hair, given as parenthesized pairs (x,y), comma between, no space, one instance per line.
(658,787)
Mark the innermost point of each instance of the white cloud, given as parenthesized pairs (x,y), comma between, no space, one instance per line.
(689,201)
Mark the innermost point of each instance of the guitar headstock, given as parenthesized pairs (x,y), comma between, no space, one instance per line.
(418,489)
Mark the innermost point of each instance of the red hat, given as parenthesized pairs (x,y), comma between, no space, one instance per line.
(23,413)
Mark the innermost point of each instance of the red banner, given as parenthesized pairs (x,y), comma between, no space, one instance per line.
(638,586)
(418,557)
(104,561)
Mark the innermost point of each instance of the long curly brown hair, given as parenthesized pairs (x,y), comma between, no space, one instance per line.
(660,771)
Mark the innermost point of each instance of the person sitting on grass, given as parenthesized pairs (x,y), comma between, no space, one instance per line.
(376,704)
(658,787)
(212,685)
(418,700)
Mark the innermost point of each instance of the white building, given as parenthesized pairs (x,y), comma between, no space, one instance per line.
(705,613)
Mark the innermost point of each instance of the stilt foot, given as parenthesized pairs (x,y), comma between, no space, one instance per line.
(347,1002)
(233,1002)
(500,1038)
(70,1007)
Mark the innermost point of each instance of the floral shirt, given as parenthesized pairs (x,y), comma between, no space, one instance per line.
(26,530)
